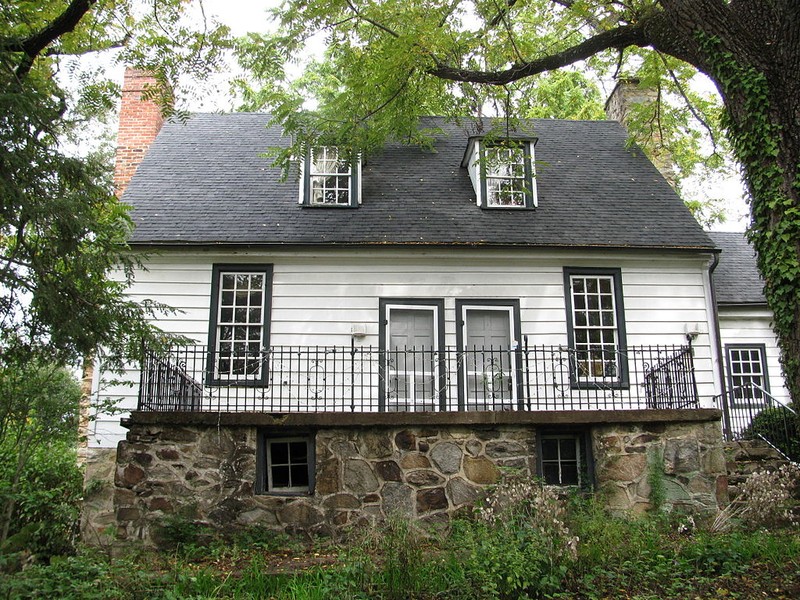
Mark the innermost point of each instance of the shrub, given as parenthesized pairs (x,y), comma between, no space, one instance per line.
(46,501)
(780,427)
(766,499)
(518,542)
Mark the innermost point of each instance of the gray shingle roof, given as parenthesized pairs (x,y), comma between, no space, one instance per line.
(204,182)
(736,278)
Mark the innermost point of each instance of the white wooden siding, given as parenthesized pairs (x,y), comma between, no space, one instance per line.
(317,295)
(752,326)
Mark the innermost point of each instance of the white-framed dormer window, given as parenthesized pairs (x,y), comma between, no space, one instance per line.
(502,173)
(330,178)
(506,179)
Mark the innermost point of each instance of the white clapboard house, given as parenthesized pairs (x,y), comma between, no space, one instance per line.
(547,279)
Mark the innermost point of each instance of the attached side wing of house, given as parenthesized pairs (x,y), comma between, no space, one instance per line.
(753,375)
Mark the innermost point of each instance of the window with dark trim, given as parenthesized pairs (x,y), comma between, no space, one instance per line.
(596,326)
(286,464)
(330,179)
(239,324)
(747,373)
(564,458)
(507,175)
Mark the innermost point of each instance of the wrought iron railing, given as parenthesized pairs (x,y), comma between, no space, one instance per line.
(752,413)
(367,379)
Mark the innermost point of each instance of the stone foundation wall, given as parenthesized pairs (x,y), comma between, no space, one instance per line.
(363,475)
(98,519)
(689,458)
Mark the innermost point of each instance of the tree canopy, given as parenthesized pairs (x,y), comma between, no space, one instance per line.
(390,61)
(63,232)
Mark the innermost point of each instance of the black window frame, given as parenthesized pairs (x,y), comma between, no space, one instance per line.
(529,177)
(218,270)
(585,456)
(383,319)
(355,164)
(743,402)
(514,305)
(622,380)
(265,438)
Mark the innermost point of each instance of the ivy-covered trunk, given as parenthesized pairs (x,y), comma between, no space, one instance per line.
(765,131)
(752,52)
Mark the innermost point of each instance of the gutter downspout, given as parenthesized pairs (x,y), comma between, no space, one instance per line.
(726,418)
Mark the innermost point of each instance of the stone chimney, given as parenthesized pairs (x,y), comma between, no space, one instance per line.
(627,93)
(140,120)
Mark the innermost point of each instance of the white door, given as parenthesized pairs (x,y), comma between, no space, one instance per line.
(411,358)
(489,361)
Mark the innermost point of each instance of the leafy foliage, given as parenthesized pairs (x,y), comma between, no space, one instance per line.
(63,231)
(40,482)
(616,557)
(780,426)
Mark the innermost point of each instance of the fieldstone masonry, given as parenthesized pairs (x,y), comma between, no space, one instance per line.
(690,456)
(364,475)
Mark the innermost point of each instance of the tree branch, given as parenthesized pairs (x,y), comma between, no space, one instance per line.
(108,46)
(620,37)
(34,44)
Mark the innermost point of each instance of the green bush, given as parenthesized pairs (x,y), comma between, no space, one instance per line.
(47,501)
(780,427)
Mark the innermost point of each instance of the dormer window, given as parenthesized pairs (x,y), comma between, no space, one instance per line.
(505,180)
(502,173)
(330,178)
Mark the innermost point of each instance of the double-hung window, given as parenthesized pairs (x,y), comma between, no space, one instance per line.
(507,176)
(330,178)
(502,172)
(596,326)
(239,328)
(747,372)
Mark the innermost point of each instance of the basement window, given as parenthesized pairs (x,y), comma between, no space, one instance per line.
(564,458)
(286,464)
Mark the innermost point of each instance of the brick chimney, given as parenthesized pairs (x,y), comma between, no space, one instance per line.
(627,93)
(139,122)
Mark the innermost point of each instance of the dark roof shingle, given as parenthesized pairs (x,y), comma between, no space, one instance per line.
(206,182)
(736,278)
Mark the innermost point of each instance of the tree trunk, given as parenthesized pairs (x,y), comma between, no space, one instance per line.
(751,50)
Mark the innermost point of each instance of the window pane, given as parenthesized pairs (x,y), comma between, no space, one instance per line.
(299,474)
(280,477)
(298,451)
(569,474)
(551,474)
(568,451)
(549,449)
(279,453)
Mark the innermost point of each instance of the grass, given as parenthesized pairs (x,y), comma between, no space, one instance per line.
(514,555)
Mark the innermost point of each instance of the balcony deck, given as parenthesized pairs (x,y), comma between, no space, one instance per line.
(364,379)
